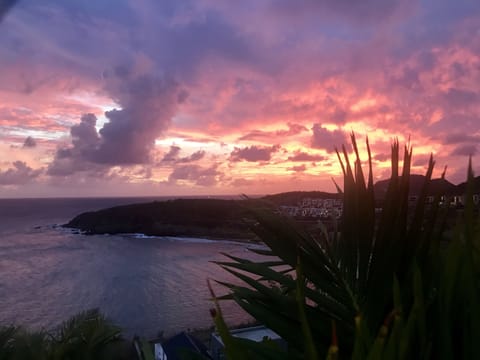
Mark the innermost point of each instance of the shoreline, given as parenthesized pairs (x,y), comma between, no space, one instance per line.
(187,238)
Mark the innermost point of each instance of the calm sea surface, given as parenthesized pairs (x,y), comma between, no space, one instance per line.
(144,284)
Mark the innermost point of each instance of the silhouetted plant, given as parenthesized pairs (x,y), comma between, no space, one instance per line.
(379,287)
(87,335)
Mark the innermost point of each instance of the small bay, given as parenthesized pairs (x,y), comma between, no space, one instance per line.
(144,284)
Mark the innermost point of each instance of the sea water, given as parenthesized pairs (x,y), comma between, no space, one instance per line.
(144,284)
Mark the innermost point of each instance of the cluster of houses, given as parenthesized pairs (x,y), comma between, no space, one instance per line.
(307,208)
(314,208)
(452,200)
(450,194)
(330,208)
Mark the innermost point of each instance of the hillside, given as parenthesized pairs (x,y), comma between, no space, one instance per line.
(293,197)
(211,218)
(437,186)
(462,188)
(215,218)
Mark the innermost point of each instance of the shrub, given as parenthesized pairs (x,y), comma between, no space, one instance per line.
(87,335)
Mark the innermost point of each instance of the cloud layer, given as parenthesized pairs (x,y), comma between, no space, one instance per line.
(186,96)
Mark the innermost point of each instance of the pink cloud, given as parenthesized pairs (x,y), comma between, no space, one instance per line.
(193,73)
(304,156)
(323,138)
(19,174)
(293,129)
(172,156)
(298,168)
(465,150)
(253,153)
(195,174)
(242,183)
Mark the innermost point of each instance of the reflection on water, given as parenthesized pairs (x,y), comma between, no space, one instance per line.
(143,284)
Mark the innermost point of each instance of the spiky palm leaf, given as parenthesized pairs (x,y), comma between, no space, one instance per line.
(348,275)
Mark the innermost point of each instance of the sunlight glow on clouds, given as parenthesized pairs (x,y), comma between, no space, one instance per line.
(188,97)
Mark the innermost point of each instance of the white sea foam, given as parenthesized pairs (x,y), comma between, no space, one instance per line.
(186,239)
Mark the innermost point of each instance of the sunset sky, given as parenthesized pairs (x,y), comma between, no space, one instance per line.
(149,97)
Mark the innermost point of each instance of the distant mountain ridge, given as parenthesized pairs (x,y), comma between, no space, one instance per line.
(437,186)
(461,188)
(293,197)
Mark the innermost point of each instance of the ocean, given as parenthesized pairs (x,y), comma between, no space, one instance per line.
(145,285)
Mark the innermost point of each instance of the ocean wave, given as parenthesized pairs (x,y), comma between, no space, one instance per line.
(140,236)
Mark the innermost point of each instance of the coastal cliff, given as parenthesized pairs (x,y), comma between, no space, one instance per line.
(210,218)
(222,219)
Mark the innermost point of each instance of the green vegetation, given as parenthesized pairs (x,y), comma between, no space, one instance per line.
(383,285)
(87,335)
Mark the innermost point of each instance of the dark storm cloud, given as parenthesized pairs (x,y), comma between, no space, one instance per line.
(85,139)
(20,173)
(148,104)
(254,153)
(29,142)
(323,138)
